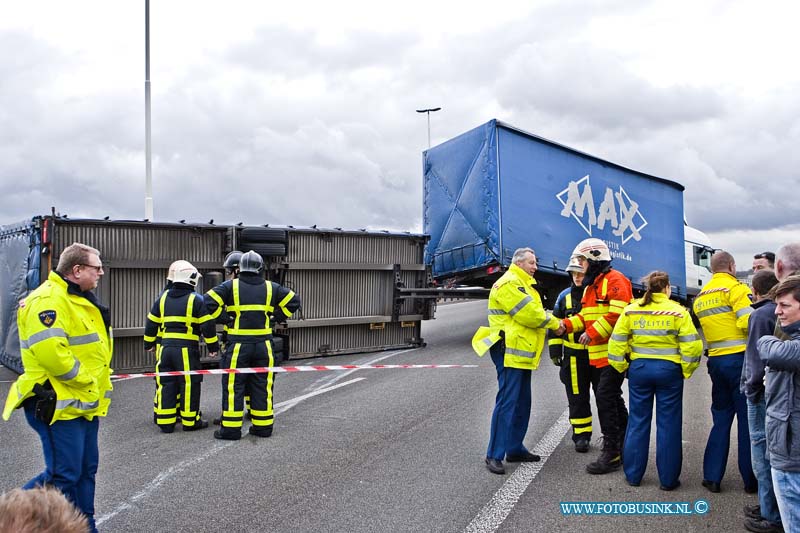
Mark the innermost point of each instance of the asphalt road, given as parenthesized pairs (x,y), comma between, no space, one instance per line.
(375,450)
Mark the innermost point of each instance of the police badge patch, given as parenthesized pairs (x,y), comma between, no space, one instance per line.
(48,318)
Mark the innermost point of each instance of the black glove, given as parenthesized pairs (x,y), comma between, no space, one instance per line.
(556,359)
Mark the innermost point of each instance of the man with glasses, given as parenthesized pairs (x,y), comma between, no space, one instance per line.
(764,261)
(65,340)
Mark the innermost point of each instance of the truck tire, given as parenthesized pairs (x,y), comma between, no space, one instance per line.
(270,249)
(263,235)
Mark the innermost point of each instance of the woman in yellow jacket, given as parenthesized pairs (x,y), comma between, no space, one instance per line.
(657,343)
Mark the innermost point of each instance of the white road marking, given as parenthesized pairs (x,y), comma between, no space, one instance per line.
(497,510)
(218,447)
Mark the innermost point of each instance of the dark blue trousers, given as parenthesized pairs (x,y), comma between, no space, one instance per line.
(70,456)
(512,408)
(662,380)
(727,401)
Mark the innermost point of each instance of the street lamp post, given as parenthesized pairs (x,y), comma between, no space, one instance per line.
(148,184)
(428,112)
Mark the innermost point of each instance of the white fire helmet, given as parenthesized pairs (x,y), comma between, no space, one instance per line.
(185,272)
(574,265)
(593,249)
(171,270)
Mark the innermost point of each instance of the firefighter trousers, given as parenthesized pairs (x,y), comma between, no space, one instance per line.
(257,386)
(576,375)
(611,410)
(171,388)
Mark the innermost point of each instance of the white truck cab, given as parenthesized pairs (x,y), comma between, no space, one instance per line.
(698,260)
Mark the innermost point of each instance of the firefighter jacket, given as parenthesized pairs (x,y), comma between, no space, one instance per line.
(723,308)
(662,329)
(249,302)
(65,339)
(601,305)
(516,314)
(567,304)
(178,318)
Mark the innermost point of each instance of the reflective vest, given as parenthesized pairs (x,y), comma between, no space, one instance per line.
(601,305)
(63,339)
(249,302)
(565,307)
(662,329)
(723,308)
(178,318)
(516,314)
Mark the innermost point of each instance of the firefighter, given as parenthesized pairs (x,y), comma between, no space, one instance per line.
(251,301)
(606,293)
(181,316)
(515,340)
(573,359)
(723,308)
(659,339)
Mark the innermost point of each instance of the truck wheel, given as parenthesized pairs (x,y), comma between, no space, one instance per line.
(263,235)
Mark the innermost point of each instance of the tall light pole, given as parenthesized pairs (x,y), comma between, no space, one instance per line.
(428,112)
(148,184)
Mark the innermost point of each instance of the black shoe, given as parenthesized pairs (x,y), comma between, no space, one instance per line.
(609,461)
(199,424)
(219,435)
(167,429)
(751,490)
(260,432)
(762,526)
(753,511)
(633,483)
(526,457)
(495,466)
(670,487)
(217,421)
(711,486)
(582,445)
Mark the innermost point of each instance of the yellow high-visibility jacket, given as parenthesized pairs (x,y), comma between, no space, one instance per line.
(662,329)
(516,313)
(723,307)
(63,339)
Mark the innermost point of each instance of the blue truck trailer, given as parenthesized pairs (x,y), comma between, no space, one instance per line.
(497,188)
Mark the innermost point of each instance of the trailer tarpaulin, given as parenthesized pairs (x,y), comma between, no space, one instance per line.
(19,268)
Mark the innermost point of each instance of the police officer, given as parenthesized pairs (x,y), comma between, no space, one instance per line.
(659,337)
(515,339)
(606,293)
(723,308)
(573,359)
(181,316)
(250,301)
(65,339)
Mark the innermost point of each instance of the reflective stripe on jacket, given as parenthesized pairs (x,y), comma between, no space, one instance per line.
(603,302)
(565,307)
(63,339)
(250,302)
(516,313)
(662,329)
(179,317)
(723,308)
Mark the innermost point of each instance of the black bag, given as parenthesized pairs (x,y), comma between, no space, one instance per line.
(45,406)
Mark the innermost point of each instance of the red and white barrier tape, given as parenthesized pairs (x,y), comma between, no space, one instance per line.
(265,369)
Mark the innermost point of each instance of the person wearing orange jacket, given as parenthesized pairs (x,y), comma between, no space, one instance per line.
(606,293)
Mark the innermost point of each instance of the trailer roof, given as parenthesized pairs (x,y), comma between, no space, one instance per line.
(584,154)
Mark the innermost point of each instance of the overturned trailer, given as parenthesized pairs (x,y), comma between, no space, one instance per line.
(357,286)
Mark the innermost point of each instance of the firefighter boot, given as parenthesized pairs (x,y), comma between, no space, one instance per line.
(609,459)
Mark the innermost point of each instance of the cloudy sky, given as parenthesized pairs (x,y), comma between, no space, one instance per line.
(303,112)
